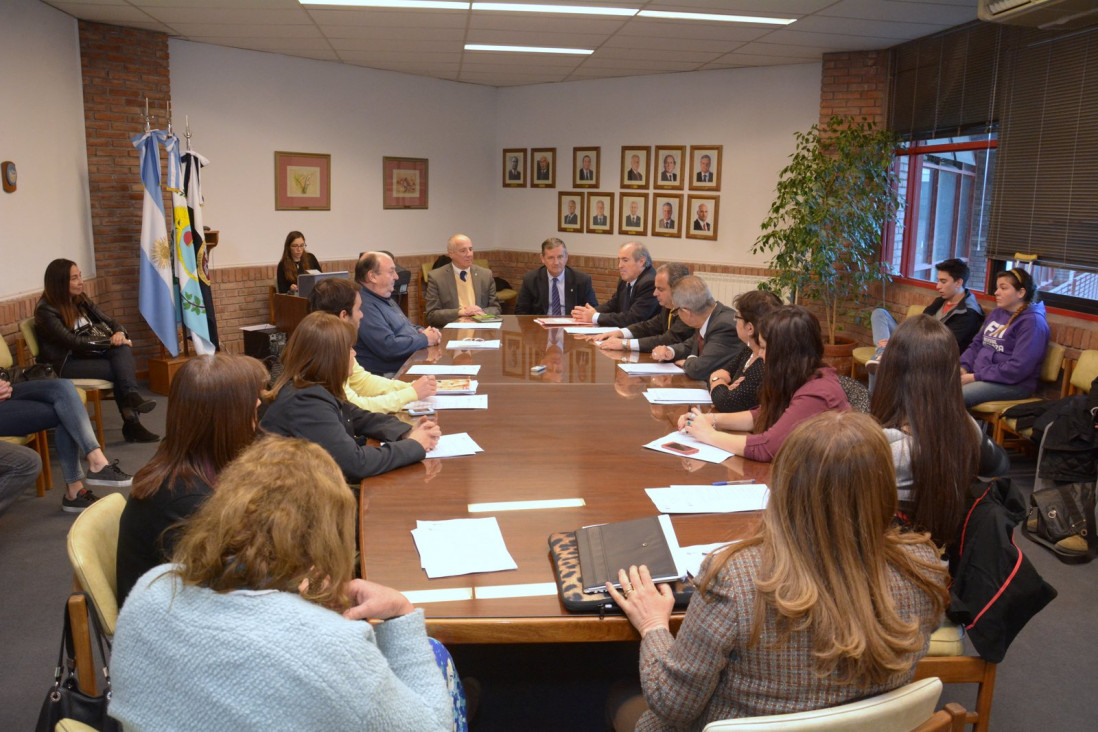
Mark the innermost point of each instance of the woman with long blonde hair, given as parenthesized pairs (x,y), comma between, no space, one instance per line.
(826,603)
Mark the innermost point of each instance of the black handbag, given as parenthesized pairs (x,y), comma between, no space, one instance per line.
(34,372)
(65,700)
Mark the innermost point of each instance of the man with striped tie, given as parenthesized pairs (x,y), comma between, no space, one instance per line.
(716,342)
(665,328)
(554,288)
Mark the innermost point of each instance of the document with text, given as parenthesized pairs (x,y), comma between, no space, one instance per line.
(687,446)
(461,546)
(455,445)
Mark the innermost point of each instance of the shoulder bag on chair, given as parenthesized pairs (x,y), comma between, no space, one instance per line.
(65,700)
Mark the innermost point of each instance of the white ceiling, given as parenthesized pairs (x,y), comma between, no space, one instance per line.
(431,42)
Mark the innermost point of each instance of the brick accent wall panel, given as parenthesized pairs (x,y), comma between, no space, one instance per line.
(855,84)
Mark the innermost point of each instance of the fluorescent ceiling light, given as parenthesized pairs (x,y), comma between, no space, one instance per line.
(534,589)
(669,15)
(526,505)
(567,9)
(528,49)
(419,4)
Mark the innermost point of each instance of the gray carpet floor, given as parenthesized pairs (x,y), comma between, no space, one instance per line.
(1045,682)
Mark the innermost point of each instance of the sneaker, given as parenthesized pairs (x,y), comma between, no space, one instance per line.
(136,432)
(83,499)
(872,364)
(110,475)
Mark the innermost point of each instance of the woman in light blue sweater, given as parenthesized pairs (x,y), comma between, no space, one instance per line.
(258,623)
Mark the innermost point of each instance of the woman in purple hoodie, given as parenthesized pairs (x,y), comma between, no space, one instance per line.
(1004,358)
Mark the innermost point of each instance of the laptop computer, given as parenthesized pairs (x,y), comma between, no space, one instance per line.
(307,281)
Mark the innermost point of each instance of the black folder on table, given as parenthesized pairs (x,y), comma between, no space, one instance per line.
(607,548)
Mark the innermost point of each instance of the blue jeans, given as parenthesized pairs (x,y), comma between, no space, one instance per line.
(19,466)
(43,405)
(979,392)
(883,324)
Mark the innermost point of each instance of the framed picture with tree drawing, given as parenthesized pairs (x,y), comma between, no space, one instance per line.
(404,182)
(303,181)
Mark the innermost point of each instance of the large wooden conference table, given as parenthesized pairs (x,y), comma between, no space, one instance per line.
(574,431)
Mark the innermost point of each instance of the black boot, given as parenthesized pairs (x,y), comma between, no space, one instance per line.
(138,403)
(134,431)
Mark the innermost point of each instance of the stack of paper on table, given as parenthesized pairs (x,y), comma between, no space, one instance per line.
(456,386)
(491,325)
(710,498)
(693,556)
(455,445)
(461,546)
(706,453)
(678,396)
(472,345)
(557,322)
(644,369)
(471,369)
(457,401)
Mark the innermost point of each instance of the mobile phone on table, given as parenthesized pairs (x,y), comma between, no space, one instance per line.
(421,409)
(679,448)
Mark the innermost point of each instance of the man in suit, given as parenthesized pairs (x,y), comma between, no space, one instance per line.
(460,289)
(701,223)
(633,219)
(668,175)
(599,219)
(704,175)
(571,218)
(542,172)
(716,342)
(665,328)
(554,288)
(634,173)
(585,172)
(635,298)
(667,222)
(386,338)
(514,173)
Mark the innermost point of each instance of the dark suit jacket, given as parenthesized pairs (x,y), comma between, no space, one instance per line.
(533,298)
(586,174)
(441,298)
(721,345)
(514,175)
(642,306)
(632,220)
(634,175)
(669,177)
(598,220)
(665,328)
(704,177)
(571,218)
(699,226)
(669,224)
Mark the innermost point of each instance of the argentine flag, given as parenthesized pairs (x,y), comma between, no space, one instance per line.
(186,271)
(155,288)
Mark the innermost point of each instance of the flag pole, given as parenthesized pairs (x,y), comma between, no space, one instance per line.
(176,288)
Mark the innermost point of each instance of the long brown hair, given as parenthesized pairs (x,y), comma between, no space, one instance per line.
(918,390)
(281,519)
(318,352)
(753,305)
(211,418)
(825,547)
(55,289)
(794,354)
(1020,280)
(289,267)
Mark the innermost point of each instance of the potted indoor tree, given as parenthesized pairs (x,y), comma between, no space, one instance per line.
(824,229)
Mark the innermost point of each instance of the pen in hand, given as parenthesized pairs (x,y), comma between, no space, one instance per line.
(735,482)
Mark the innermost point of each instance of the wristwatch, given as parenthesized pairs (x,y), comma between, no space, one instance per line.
(715,378)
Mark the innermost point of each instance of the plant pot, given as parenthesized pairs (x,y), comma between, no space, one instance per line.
(841,354)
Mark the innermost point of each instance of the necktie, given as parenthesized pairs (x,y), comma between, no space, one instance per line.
(464,276)
(625,300)
(554,298)
(701,342)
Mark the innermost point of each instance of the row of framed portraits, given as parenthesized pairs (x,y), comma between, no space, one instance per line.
(590,212)
(666,167)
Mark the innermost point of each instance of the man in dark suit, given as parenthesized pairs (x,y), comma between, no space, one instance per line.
(635,299)
(599,219)
(571,218)
(633,219)
(716,342)
(542,172)
(585,172)
(665,328)
(514,173)
(460,289)
(668,175)
(634,173)
(572,288)
(667,222)
(701,223)
(704,174)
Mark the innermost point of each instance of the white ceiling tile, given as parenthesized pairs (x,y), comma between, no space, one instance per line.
(535,38)
(643,54)
(736,60)
(657,43)
(548,23)
(113,14)
(438,35)
(526,62)
(243,16)
(395,46)
(686,30)
(255,30)
(903,10)
(389,18)
(880,29)
(641,67)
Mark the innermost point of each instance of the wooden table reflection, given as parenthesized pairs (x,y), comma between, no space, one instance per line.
(574,431)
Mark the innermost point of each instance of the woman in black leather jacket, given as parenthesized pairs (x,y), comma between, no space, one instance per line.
(59,315)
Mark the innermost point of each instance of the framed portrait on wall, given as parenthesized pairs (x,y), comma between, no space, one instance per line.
(670,168)
(303,181)
(633,218)
(570,211)
(635,164)
(703,214)
(544,162)
(514,167)
(600,213)
(585,167)
(705,167)
(667,214)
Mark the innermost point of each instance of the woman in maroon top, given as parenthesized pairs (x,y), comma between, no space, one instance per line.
(796,385)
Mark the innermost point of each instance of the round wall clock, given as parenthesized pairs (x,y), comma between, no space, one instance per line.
(9,175)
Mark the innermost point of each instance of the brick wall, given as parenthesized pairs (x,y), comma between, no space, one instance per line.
(855,84)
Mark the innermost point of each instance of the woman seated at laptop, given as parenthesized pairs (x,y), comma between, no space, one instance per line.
(308,400)
(827,603)
(796,385)
(211,418)
(736,387)
(258,623)
(295,260)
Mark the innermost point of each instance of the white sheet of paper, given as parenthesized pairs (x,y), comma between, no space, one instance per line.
(678,396)
(461,546)
(693,556)
(706,453)
(472,345)
(644,369)
(444,368)
(475,325)
(455,445)
(710,498)
(458,401)
(261,326)
(558,321)
(589,330)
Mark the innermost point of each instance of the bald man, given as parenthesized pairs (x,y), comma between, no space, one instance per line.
(460,289)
